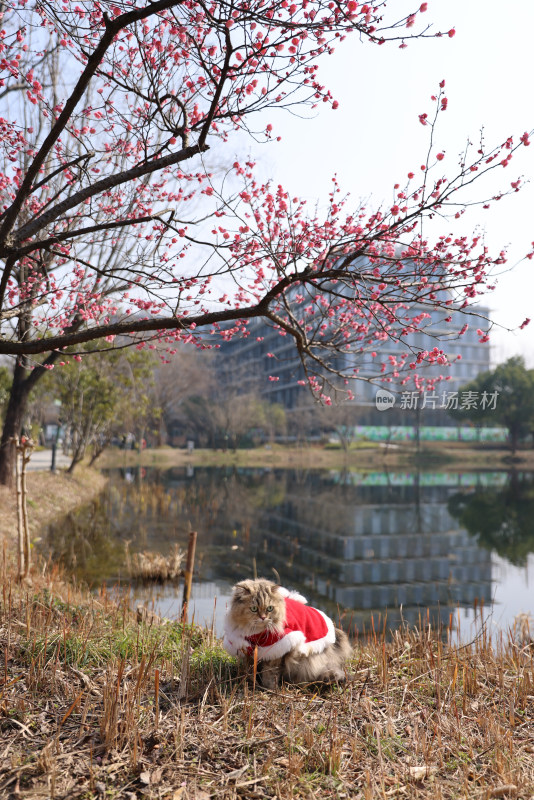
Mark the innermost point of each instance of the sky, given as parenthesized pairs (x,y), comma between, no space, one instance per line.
(374,138)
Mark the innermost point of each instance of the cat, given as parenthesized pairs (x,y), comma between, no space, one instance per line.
(295,642)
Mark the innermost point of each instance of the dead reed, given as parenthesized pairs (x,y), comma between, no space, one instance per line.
(94,704)
(153,566)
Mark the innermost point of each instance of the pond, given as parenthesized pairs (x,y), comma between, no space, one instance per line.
(370,548)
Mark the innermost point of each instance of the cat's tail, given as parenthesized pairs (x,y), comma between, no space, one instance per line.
(342,644)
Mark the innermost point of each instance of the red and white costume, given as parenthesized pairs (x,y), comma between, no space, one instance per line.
(306,630)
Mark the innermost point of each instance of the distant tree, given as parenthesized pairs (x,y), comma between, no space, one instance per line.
(341,419)
(89,396)
(226,415)
(501,519)
(302,420)
(188,375)
(234,414)
(503,396)
(138,410)
(194,416)
(102,396)
(110,112)
(272,419)
(6,379)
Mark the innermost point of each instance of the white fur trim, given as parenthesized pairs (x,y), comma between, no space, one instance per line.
(291,641)
(233,640)
(292,595)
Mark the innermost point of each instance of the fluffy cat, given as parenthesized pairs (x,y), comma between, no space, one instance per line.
(295,641)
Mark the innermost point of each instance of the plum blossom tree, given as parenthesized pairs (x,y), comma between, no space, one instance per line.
(113,225)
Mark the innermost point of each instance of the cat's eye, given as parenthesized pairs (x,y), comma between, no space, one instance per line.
(270,608)
(253,609)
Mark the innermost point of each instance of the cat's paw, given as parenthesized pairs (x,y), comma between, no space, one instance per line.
(335,676)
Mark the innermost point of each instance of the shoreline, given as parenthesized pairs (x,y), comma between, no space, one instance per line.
(51,496)
(366,457)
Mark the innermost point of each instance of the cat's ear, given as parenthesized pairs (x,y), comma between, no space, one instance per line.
(275,587)
(242,590)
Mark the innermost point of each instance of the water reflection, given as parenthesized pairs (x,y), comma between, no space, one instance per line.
(355,544)
(501,520)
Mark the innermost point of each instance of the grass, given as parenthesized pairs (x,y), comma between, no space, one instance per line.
(96,702)
(152,566)
(362,455)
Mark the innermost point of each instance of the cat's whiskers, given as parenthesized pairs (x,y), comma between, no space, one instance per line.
(257,626)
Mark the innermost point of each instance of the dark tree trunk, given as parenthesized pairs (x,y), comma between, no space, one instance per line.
(18,401)
(98,452)
(514,439)
(24,380)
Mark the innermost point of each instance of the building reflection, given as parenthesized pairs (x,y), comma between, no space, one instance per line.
(363,551)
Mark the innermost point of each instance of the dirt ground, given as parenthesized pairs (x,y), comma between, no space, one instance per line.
(99,704)
(50,497)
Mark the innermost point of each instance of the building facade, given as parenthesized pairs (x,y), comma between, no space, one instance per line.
(268,357)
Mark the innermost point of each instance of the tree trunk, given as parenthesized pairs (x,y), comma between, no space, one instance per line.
(24,380)
(99,448)
(514,439)
(20,520)
(78,452)
(16,409)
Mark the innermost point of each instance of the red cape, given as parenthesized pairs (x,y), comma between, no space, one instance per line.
(306,630)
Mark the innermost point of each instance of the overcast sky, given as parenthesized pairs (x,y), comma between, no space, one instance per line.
(374,138)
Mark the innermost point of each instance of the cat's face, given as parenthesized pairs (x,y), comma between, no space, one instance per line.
(257,606)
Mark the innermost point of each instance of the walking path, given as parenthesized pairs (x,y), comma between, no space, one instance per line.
(42,460)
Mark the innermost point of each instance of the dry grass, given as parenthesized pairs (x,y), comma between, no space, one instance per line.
(94,705)
(366,456)
(154,566)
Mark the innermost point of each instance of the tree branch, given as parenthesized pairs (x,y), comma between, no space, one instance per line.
(153,324)
(102,185)
(61,169)
(90,229)
(112,29)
